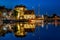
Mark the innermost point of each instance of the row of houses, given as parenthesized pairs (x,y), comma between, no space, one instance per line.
(19,12)
(23,13)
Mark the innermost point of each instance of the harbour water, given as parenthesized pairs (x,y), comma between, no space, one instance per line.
(48,32)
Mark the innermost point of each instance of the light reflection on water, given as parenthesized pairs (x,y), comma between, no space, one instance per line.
(47,32)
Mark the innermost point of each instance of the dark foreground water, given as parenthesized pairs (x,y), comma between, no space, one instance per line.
(49,32)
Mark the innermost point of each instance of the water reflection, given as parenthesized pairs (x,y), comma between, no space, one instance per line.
(20,29)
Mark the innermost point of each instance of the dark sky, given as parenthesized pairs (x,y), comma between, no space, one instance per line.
(49,6)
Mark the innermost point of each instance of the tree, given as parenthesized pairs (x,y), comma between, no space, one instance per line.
(15,13)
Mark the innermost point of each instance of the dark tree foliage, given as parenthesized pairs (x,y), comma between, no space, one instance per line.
(15,13)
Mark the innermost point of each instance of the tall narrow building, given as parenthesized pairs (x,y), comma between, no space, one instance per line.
(20,9)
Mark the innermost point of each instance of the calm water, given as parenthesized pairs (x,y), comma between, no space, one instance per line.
(48,32)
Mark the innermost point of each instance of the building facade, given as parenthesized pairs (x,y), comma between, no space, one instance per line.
(20,9)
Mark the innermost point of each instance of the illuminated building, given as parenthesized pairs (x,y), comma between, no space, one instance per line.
(20,9)
(3,11)
(29,14)
(9,12)
(23,13)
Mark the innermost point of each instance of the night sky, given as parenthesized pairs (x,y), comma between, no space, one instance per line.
(49,6)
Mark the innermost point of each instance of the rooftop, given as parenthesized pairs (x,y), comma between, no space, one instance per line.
(29,12)
(20,6)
